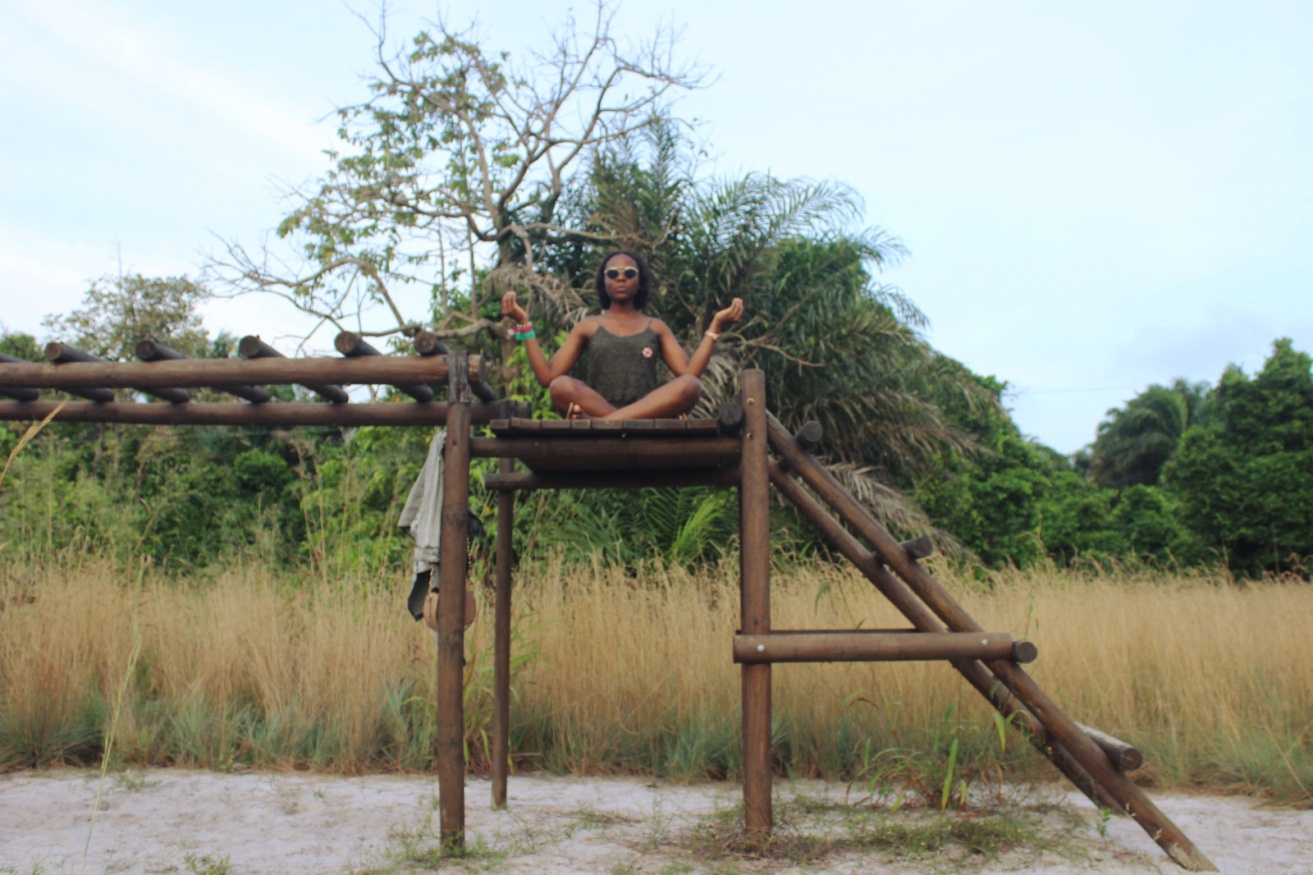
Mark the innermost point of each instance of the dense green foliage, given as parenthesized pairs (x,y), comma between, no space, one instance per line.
(1245,477)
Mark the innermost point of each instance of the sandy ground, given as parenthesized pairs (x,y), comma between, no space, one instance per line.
(200,822)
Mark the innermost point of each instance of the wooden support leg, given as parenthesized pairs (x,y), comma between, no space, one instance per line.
(452,552)
(501,646)
(754,499)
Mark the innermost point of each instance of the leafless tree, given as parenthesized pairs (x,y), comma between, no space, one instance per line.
(451,173)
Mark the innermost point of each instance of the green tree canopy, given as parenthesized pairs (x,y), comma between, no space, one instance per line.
(1135,442)
(118,311)
(1245,476)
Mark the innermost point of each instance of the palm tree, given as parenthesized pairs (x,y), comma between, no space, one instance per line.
(837,346)
(1134,443)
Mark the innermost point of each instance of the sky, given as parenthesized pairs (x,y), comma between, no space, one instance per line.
(1096,197)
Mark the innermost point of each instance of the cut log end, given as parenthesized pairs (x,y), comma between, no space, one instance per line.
(1024,651)
(918,548)
(729,419)
(809,436)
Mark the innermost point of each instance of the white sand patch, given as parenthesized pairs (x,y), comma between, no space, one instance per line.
(181,821)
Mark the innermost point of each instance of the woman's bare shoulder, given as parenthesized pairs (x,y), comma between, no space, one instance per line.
(585,328)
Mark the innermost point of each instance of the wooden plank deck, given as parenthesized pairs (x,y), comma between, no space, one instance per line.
(603,428)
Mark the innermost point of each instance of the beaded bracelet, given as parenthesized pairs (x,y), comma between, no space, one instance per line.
(713,335)
(525,335)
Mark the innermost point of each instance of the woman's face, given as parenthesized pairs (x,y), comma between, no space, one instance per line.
(621,274)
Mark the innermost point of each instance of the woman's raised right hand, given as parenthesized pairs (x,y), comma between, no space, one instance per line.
(510,308)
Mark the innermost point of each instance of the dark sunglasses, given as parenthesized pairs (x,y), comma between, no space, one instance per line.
(617,272)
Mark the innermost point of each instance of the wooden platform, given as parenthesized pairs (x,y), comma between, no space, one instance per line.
(576,428)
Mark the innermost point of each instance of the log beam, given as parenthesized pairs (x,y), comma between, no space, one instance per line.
(276,413)
(252,347)
(529,481)
(593,454)
(861,646)
(428,344)
(193,373)
(18,394)
(154,351)
(353,346)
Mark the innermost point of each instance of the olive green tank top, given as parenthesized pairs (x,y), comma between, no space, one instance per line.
(623,368)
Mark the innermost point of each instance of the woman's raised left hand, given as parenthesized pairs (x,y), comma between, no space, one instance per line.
(732,313)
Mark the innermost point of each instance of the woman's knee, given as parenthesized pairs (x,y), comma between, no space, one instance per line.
(690,388)
(562,391)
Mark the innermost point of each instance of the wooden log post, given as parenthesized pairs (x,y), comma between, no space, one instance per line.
(754,539)
(729,418)
(1129,798)
(452,557)
(501,643)
(252,347)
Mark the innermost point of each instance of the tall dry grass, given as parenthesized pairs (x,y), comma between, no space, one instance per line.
(624,672)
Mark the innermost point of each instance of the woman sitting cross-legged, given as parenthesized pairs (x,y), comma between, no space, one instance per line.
(623,345)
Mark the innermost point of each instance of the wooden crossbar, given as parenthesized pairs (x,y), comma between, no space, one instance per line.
(273,413)
(585,455)
(195,373)
(858,646)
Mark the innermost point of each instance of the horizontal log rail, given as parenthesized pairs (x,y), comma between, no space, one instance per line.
(591,454)
(604,428)
(273,413)
(195,373)
(860,646)
(528,481)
